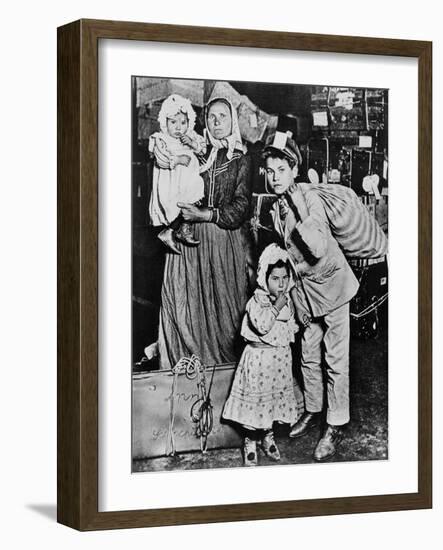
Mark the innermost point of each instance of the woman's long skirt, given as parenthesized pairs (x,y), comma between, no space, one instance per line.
(203,298)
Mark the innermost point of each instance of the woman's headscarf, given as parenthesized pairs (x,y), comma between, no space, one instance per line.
(271,255)
(172,106)
(231,142)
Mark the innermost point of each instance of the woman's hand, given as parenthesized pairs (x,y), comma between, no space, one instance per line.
(297,198)
(184,160)
(192,213)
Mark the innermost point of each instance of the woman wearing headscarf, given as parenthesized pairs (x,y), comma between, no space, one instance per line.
(205,289)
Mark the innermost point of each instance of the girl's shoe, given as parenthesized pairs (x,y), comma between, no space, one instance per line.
(250,452)
(269,447)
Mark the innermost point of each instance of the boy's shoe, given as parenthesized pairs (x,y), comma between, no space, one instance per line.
(327,446)
(269,447)
(250,452)
(304,424)
(167,237)
(185,235)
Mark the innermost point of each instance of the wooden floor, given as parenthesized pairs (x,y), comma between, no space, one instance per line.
(366,436)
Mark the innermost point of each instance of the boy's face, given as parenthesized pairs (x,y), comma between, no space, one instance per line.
(279,174)
(278,281)
(177,125)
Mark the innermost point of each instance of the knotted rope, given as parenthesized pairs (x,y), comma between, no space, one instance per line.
(201,410)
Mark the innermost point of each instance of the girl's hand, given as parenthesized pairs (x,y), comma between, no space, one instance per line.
(281,301)
(297,198)
(192,213)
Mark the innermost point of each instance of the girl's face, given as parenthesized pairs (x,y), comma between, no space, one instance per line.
(280,175)
(219,120)
(278,281)
(177,125)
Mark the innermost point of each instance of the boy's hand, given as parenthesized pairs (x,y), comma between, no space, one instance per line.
(305,320)
(297,198)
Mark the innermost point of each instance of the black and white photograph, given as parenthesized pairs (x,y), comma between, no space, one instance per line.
(259,274)
(218,275)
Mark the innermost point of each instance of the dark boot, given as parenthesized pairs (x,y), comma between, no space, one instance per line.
(185,235)
(327,446)
(167,237)
(304,424)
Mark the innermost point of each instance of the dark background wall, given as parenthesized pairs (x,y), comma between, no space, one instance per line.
(328,125)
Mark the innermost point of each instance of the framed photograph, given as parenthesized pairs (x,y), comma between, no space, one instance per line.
(244,275)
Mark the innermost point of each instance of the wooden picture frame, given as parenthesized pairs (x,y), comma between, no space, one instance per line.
(78,274)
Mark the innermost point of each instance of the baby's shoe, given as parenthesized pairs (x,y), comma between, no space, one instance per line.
(250,452)
(269,447)
(167,237)
(185,235)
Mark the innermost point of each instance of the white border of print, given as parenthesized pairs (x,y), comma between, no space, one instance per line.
(118,488)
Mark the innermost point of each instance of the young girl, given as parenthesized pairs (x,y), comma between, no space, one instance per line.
(176,175)
(263,388)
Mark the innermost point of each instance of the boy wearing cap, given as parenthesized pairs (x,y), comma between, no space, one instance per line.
(324,286)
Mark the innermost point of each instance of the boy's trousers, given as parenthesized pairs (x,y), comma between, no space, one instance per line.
(333,331)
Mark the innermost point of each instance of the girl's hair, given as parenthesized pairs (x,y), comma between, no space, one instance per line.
(278,263)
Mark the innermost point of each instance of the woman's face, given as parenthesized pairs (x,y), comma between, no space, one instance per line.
(219,120)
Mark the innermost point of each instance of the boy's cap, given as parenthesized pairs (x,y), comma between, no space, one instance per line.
(283,142)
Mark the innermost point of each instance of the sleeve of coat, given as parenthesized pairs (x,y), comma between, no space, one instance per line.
(314,230)
(200,144)
(163,158)
(232,215)
(292,323)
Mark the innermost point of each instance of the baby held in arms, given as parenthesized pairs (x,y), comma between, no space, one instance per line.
(176,176)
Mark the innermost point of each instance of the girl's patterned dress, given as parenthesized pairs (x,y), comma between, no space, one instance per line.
(263,388)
